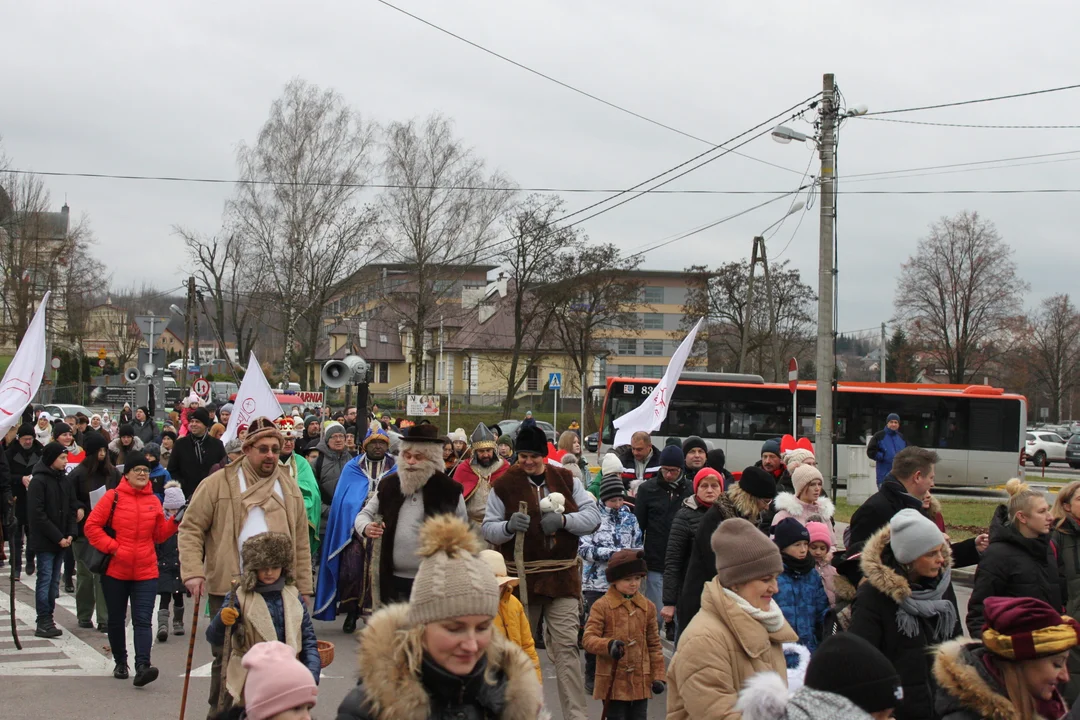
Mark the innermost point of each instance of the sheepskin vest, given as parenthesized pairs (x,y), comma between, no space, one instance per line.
(259,627)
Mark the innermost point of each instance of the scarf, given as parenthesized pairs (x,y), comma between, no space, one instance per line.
(276,586)
(197,442)
(799,567)
(260,492)
(928,603)
(772,619)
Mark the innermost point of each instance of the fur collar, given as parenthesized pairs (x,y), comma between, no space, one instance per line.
(136,445)
(795,507)
(843,589)
(393,692)
(882,575)
(968,684)
(745,503)
(617,599)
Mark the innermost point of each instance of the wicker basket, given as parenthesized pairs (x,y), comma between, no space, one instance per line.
(326,652)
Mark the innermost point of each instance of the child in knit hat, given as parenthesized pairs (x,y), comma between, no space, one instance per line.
(623,633)
(821,549)
(511,621)
(801,594)
(169,585)
(278,686)
(618,530)
(265,606)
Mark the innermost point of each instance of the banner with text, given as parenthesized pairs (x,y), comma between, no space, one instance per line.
(425,405)
(254,399)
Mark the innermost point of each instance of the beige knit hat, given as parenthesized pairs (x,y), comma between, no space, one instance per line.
(743,553)
(452,580)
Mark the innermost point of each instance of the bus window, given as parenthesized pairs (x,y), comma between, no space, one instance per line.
(758,419)
(692,416)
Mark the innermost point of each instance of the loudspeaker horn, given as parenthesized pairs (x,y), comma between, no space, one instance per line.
(339,373)
(132,375)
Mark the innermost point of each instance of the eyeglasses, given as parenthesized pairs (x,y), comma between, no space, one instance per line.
(139,471)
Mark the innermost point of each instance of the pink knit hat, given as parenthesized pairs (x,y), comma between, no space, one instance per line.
(819,532)
(276,680)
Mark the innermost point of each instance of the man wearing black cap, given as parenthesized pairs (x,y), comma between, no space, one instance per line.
(195,453)
(22,456)
(695,453)
(771,462)
(553,578)
(53,526)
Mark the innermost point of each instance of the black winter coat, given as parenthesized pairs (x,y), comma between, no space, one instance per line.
(83,482)
(878,510)
(6,489)
(1014,566)
(185,465)
(701,565)
(145,431)
(680,543)
(20,464)
(655,506)
(51,507)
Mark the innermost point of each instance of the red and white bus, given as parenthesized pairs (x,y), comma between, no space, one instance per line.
(977,430)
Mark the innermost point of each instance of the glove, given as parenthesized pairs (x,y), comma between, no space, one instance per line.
(229,615)
(658,687)
(551,522)
(518,522)
(616,649)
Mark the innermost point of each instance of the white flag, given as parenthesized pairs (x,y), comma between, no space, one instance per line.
(650,415)
(23,376)
(254,399)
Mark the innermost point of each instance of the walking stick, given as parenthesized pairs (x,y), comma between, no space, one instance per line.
(190,653)
(14,629)
(376,560)
(226,657)
(519,560)
(610,690)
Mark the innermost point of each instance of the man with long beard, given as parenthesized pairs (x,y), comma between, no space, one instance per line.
(243,499)
(477,475)
(345,556)
(417,490)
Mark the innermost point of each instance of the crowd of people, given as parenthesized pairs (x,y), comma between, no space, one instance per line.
(462,554)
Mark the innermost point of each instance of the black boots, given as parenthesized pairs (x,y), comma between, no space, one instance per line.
(145,674)
(350,624)
(120,672)
(178,621)
(47,629)
(162,625)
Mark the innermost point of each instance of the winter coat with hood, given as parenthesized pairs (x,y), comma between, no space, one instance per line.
(882,448)
(701,566)
(802,598)
(875,619)
(680,544)
(618,531)
(655,506)
(397,681)
(617,617)
(118,454)
(139,524)
(766,698)
(21,463)
(513,623)
(1013,566)
(789,505)
(721,648)
(968,690)
(50,508)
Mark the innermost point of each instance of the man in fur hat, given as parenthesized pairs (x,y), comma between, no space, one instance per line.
(553,590)
(345,557)
(477,475)
(243,499)
(416,490)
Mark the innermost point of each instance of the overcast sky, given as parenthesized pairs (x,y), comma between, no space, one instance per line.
(172,88)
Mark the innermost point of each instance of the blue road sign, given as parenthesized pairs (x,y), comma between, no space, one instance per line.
(555,381)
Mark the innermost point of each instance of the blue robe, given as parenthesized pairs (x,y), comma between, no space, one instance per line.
(349,498)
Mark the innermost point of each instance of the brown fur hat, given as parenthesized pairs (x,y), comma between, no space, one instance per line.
(266,550)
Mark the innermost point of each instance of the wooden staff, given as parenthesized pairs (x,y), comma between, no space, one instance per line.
(519,560)
(226,655)
(14,629)
(376,560)
(190,654)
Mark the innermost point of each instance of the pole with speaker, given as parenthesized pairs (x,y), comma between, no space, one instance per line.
(353,370)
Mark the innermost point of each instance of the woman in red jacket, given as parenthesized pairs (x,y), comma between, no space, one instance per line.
(137,525)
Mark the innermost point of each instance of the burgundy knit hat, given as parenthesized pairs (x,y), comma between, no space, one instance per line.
(1023,628)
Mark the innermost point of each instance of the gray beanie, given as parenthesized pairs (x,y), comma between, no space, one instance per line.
(333,429)
(912,535)
(743,553)
(452,580)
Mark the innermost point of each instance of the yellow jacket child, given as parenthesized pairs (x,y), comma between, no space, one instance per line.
(511,620)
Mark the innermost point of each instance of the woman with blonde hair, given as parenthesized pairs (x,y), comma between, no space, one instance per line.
(1019,561)
(1065,537)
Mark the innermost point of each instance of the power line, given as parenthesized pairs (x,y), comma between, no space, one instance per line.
(974,102)
(965,170)
(962,164)
(972,125)
(567,86)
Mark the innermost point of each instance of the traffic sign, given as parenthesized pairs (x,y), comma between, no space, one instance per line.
(555,381)
(55,363)
(201,387)
(793,374)
(101,354)
(101,363)
(152,324)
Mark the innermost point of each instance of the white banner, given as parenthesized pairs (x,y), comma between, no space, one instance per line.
(425,405)
(23,376)
(255,398)
(650,415)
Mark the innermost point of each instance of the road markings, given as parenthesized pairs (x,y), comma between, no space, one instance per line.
(72,656)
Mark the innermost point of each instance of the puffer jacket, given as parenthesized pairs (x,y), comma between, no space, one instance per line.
(802,598)
(1013,566)
(514,626)
(874,618)
(718,652)
(762,699)
(618,531)
(617,617)
(680,544)
(118,454)
(656,503)
(139,524)
(968,691)
(392,688)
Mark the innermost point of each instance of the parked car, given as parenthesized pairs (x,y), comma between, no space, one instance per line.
(510,427)
(592,442)
(220,392)
(64,410)
(178,364)
(1044,448)
(1072,452)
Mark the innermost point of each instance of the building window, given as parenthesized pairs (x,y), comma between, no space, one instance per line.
(652,321)
(654,294)
(627,347)
(653,347)
(532,380)
(382,338)
(652,371)
(382,374)
(621,371)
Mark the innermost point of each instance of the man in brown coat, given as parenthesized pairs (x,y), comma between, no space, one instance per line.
(551,539)
(247,497)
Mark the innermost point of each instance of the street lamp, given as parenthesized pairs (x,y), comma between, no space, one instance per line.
(783,135)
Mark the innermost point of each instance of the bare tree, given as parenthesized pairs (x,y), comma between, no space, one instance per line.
(598,296)
(438,218)
(1054,354)
(31,248)
(959,295)
(296,208)
(530,258)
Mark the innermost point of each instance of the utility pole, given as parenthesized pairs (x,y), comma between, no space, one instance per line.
(182,380)
(442,366)
(826,360)
(758,255)
(882,353)
(195,334)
